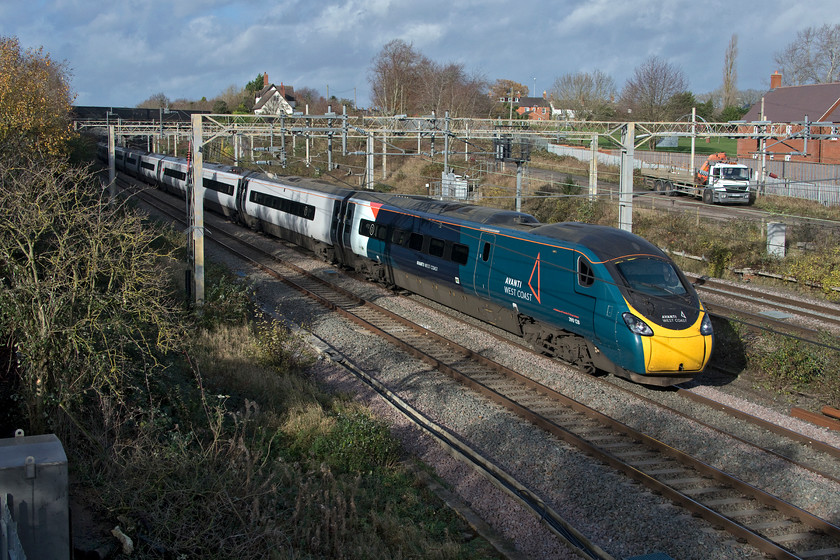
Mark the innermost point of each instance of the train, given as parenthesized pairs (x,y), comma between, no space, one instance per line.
(597,297)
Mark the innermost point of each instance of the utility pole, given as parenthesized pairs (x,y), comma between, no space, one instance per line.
(625,197)
(446,143)
(112,168)
(693,137)
(369,171)
(197,207)
(510,103)
(763,152)
(593,167)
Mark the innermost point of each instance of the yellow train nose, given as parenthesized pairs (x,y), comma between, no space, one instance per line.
(674,351)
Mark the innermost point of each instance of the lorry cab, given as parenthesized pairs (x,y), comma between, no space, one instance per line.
(728,183)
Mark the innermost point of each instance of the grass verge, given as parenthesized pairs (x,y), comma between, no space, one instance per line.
(234,451)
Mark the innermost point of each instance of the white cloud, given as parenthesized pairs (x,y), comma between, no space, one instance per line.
(123,51)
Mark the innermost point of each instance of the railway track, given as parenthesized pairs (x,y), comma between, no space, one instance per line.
(768,523)
(765,310)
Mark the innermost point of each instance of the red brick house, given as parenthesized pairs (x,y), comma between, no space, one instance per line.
(787,108)
(536,108)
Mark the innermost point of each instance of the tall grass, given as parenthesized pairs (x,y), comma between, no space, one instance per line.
(234,451)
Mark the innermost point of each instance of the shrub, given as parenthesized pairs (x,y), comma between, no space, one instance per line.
(787,363)
(357,442)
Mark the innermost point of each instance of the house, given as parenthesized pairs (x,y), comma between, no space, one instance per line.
(788,108)
(272,100)
(536,108)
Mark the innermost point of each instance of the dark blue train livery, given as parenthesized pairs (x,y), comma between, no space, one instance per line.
(594,296)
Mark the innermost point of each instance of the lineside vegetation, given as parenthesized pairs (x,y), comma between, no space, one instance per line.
(200,435)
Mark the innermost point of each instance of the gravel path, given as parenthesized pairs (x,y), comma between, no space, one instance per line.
(621,517)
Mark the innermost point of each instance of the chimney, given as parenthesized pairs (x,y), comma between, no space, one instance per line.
(265,79)
(282,90)
(775,80)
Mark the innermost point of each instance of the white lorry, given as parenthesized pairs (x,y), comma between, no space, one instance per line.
(719,180)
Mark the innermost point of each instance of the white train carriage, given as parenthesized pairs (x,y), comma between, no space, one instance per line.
(147,170)
(295,209)
(119,157)
(221,185)
(172,175)
(131,163)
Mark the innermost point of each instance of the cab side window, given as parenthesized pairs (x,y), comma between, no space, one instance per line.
(586,276)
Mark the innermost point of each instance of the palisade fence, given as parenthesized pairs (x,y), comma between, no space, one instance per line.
(10,545)
(811,181)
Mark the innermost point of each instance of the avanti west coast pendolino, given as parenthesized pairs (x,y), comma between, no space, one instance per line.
(594,296)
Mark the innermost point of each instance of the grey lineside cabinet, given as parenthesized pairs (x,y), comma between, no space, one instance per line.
(33,483)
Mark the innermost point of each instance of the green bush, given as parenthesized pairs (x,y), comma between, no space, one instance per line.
(357,443)
(279,348)
(787,363)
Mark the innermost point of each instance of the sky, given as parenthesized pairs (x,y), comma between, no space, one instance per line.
(120,53)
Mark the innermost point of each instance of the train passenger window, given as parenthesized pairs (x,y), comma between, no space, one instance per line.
(485,253)
(306,211)
(586,277)
(460,253)
(415,241)
(174,173)
(367,228)
(218,186)
(436,247)
(398,237)
(372,229)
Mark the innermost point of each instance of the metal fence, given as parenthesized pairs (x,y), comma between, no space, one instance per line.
(10,546)
(811,181)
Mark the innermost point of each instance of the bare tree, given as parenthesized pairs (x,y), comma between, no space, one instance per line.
(406,82)
(156,101)
(588,95)
(312,98)
(449,88)
(813,57)
(730,74)
(647,93)
(394,77)
(231,96)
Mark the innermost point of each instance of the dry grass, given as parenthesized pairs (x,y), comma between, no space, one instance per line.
(251,459)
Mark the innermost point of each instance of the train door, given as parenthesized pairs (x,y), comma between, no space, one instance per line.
(484,264)
(586,287)
(241,190)
(340,226)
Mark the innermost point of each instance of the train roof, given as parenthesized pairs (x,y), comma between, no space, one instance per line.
(606,242)
(455,210)
(303,182)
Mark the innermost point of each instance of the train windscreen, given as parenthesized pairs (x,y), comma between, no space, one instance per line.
(653,277)
(656,289)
